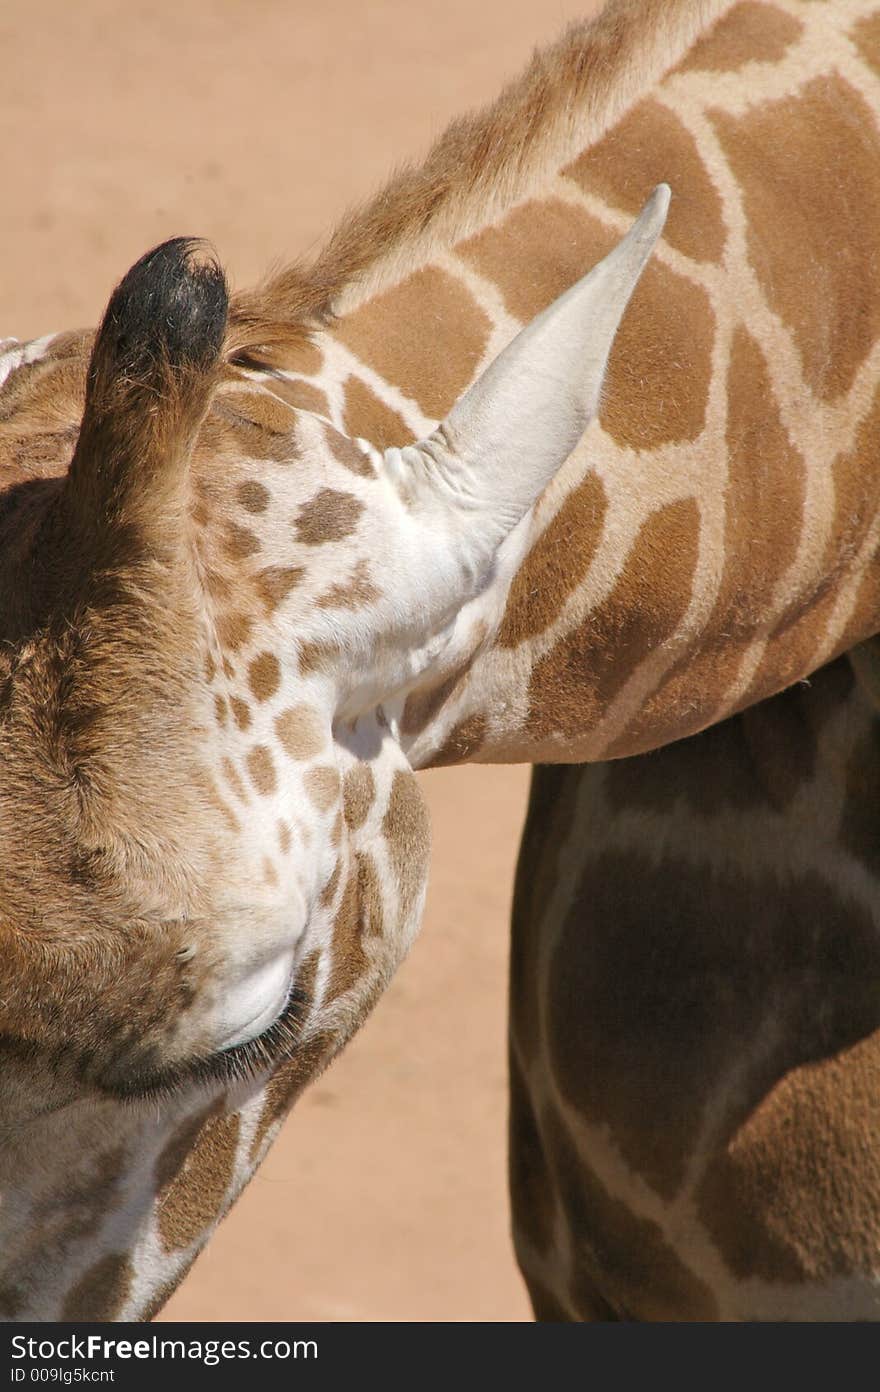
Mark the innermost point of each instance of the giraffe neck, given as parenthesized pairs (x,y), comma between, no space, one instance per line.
(710,540)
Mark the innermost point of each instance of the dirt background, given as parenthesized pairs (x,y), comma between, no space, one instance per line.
(256,123)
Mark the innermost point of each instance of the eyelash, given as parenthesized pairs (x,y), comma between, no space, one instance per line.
(231,1065)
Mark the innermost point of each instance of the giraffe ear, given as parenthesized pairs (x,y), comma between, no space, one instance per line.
(150,378)
(513,429)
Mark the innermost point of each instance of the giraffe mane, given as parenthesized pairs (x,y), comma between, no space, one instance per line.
(566,99)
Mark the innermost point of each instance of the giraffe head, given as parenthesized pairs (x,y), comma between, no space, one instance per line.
(213,852)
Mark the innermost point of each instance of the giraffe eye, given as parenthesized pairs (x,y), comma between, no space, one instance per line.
(227,1066)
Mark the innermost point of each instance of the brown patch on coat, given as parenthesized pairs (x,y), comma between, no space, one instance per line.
(650,145)
(275,583)
(794,1196)
(264,675)
(360,915)
(358,795)
(233,629)
(322,787)
(349,960)
(855,510)
(240,542)
(426,336)
(813,255)
(408,836)
(463,742)
(371,897)
(262,769)
(657,385)
(302,732)
(303,396)
(764,515)
(305,357)
(536,252)
(101,1293)
(855,499)
(749,33)
(348,454)
(253,496)
(242,713)
(575,683)
(423,704)
(641,1007)
(178,1146)
(47,395)
(800,631)
(354,593)
(865,34)
(556,565)
(200,1165)
(329,516)
(370,419)
(656,389)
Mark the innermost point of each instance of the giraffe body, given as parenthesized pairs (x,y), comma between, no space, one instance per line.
(694,1016)
(245,625)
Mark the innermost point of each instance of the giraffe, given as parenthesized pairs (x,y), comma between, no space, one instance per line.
(254,604)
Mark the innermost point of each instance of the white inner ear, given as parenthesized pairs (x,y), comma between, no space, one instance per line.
(453,499)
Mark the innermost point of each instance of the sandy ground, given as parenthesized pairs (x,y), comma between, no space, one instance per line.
(256,123)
